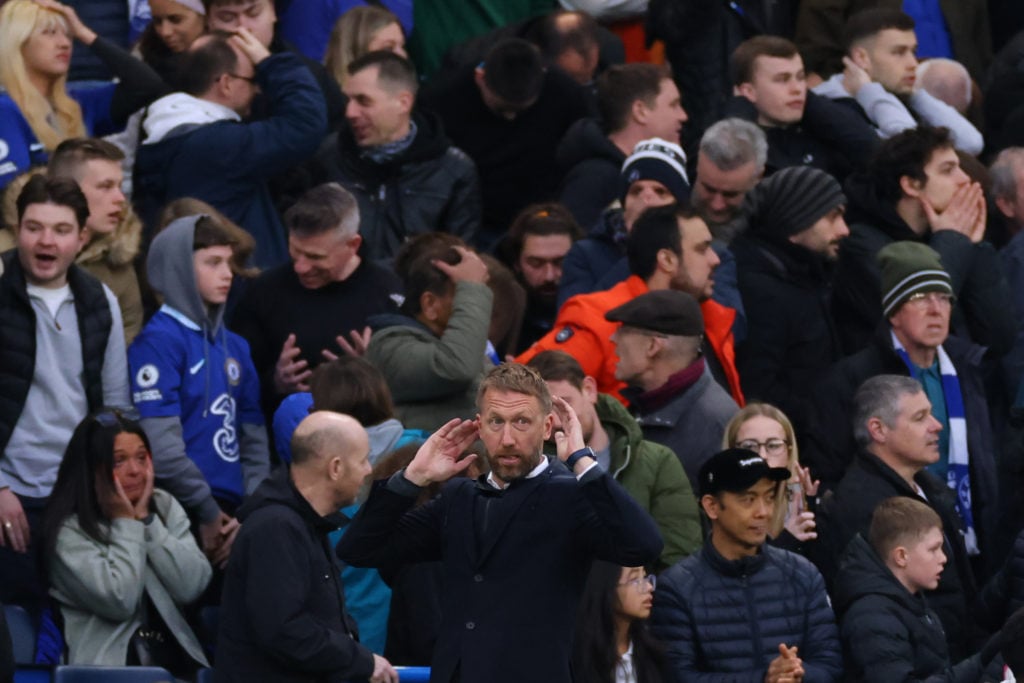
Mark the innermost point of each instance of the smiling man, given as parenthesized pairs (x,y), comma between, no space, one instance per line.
(63,357)
(316,307)
(878,82)
(407,176)
(741,609)
(898,439)
(516,544)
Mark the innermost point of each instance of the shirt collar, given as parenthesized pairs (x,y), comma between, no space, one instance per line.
(543,465)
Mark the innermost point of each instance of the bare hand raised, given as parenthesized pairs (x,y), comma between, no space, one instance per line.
(357,349)
(570,438)
(249,45)
(438,457)
(79,31)
(383,672)
(854,77)
(141,507)
(785,668)
(291,372)
(964,213)
(471,268)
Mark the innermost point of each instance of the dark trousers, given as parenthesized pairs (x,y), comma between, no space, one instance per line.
(21,579)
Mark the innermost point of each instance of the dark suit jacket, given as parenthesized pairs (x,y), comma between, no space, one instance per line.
(510,594)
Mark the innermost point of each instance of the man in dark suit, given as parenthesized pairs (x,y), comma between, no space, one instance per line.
(516,544)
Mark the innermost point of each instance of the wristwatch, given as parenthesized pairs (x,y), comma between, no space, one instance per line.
(576,456)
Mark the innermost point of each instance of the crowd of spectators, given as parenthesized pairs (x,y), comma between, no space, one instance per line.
(608,341)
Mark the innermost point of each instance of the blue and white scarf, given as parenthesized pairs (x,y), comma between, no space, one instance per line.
(958,475)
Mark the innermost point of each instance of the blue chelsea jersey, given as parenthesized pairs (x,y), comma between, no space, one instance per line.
(209,384)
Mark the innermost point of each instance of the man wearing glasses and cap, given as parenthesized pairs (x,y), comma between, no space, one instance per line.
(742,608)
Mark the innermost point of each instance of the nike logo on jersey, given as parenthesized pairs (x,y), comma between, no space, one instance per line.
(197,367)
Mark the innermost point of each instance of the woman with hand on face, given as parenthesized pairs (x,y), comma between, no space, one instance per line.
(120,557)
(764,429)
(612,642)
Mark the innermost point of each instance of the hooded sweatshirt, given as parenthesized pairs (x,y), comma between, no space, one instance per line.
(195,386)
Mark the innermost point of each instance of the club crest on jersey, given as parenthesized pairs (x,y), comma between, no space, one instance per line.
(233,371)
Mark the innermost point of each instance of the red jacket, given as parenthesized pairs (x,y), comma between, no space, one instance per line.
(581,331)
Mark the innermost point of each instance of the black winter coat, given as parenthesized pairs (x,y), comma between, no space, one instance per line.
(791,339)
(830,448)
(282,615)
(982,312)
(868,482)
(431,187)
(592,165)
(890,635)
(719,617)
(830,136)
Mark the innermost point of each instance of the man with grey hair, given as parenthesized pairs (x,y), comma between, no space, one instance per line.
(296,315)
(730,161)
(898,438)
(298,629)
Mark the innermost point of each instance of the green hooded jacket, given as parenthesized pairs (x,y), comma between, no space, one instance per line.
(653,475)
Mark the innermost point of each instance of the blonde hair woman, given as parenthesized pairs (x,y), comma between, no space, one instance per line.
(360,30)
(764,429)
(37,111)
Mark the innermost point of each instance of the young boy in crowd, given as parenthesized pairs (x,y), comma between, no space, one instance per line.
(889,634)
(194,383)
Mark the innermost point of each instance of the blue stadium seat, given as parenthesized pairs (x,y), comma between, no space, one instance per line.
(33,674)
(413,674)
(23,634)
(111,674)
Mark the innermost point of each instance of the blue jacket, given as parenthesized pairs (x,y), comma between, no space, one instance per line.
(227,163)
(723,620)
(19,147)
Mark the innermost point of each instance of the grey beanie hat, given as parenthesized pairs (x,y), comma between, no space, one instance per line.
(790,201)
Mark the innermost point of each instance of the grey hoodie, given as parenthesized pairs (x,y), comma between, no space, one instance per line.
(172,275)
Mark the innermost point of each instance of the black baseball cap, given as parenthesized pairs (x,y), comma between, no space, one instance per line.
(735,470)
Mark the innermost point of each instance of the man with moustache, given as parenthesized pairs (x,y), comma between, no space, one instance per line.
(668,248)
(535,249)
(785,264)
(516,544)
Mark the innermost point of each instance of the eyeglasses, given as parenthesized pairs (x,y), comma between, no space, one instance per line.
(772,446)
(242,78)
(642,584)
(922,299)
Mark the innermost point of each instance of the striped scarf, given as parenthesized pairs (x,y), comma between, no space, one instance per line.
(958,476)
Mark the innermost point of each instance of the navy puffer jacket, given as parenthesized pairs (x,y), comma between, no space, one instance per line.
(718,616)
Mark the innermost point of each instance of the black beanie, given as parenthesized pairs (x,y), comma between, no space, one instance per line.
(656,159)
(790,201)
